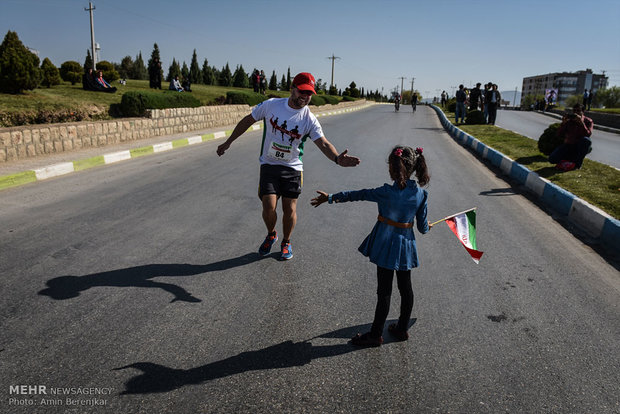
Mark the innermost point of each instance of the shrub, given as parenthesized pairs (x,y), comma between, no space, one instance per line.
(135,103)
(452,105)
(317,100)
(71,71)
(549,140)
(332,100)
(244,97)
(109,73)
(475,117)
(348,98)
(19,68)
(50,73)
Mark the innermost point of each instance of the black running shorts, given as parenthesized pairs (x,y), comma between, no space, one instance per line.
(280,180)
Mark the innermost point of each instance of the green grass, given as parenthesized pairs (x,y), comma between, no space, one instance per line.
(597,183)
(607,110)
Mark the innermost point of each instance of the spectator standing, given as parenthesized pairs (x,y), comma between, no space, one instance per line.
(444,98)
(263,82)
(590,98)
(492,100)
(255,80)
(461,97)
(475,97)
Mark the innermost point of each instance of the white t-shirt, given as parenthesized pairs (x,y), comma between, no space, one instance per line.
(285,132)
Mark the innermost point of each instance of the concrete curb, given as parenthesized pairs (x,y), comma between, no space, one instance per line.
(55,170)
(592,220)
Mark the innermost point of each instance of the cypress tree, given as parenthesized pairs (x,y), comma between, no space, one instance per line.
(225,78)
(184,71)
(50,73)
(207,74)
(273,81)
(71,71)
(156,73)
(288,79)
(173,70)
(88,62)
(195,74)
(139,70)
(240,78)
(19,68)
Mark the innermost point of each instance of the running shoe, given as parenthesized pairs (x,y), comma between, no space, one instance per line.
(265,248)
(286,252)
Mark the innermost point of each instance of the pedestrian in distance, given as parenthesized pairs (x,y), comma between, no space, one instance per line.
(281,169)
(461,97)
(391,244)
(492,100)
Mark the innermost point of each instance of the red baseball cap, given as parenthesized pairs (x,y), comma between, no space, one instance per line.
(304,81)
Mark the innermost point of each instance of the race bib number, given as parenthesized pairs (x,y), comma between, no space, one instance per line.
(280,152)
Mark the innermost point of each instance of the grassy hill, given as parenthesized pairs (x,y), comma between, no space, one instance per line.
(66,102)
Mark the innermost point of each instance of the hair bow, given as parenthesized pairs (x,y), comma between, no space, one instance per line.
(419,150)
(398,152)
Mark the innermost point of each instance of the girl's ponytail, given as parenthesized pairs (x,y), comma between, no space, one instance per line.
(421,170)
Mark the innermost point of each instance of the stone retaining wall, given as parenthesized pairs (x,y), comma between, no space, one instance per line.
(36,140)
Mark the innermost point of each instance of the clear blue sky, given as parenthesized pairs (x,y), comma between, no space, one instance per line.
(439,43)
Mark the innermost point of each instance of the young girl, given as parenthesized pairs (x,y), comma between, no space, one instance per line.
(391,243)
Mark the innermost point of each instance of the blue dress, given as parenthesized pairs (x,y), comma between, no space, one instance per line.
(389,246)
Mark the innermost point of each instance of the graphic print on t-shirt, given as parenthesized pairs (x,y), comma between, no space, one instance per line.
(293,134)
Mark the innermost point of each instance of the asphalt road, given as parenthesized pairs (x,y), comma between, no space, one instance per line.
(140,281)
(605,145)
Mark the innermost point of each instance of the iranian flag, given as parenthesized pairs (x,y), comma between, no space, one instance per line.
(463,225)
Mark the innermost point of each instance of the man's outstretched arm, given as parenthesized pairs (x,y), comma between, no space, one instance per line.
(330,152)
(241,127)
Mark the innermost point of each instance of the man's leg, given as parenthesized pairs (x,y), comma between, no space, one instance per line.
(289,216)
(270,216)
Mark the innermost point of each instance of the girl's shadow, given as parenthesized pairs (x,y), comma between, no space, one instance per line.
(66,287)
(159,378)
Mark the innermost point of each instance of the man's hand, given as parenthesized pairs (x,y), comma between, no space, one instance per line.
(320,199)
(345,160)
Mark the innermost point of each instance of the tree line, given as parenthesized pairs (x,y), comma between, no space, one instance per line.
(20,71)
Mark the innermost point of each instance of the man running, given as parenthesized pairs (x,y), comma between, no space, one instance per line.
(281,168)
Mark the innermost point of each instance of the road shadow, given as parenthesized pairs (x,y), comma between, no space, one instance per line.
(157,378)
(67,287)
(508,191)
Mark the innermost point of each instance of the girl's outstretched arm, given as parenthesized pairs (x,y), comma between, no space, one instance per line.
(320,199)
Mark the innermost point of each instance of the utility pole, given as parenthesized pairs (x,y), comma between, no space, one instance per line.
(402,78)
(333,59)
(92,34)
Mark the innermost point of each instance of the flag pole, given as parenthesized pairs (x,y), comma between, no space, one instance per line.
(452,215)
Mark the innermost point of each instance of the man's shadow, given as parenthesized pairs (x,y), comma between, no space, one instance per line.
(159,378)
(66,287)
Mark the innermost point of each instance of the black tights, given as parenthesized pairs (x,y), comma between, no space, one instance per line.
(384,293)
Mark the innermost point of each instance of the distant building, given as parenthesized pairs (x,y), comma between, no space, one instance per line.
(566,83)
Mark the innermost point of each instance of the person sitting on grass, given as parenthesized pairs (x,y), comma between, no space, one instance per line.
(103,85)
(576,129)
(175,85)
